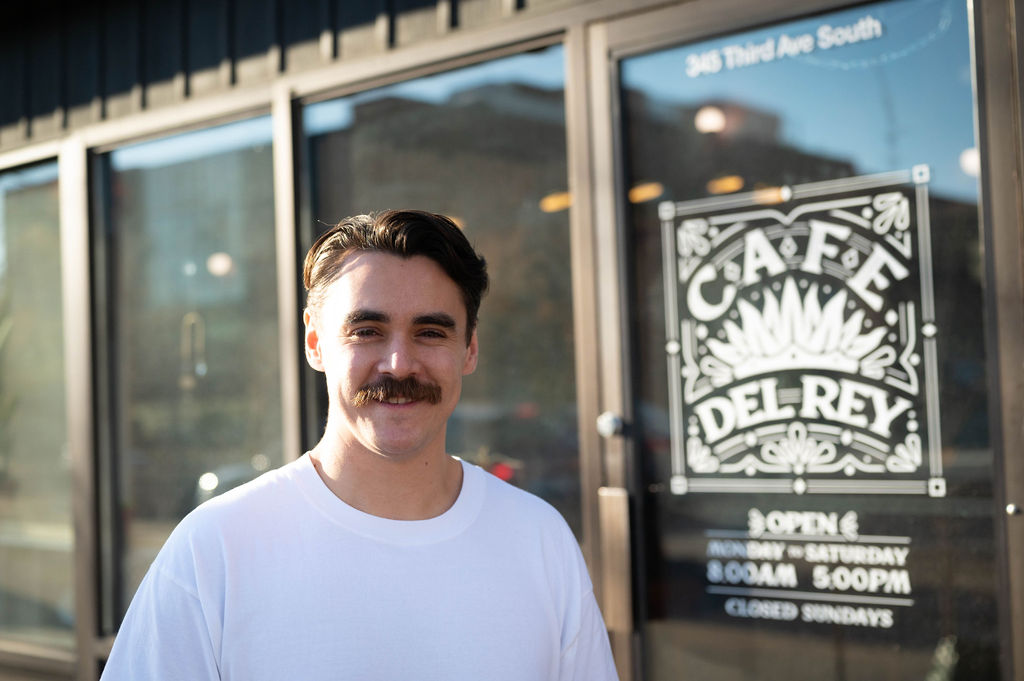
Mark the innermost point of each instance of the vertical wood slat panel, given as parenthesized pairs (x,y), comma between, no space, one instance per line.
(13,79)
(207,49)
(362,28)
(415,21)
(302,24)
(473,13)
(82,65)
(254,23)
(113,58)
(163,52)
(120,54)
(446,16)
(45,111)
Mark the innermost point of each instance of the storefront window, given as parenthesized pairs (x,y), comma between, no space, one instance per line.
(811,367)
(36,543)
(486,146)
(192,363)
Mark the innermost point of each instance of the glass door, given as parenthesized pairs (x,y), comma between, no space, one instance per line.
(813,472)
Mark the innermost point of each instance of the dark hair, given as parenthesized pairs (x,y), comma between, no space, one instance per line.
(404,233)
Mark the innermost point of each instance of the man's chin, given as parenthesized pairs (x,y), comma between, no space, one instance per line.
(398,448)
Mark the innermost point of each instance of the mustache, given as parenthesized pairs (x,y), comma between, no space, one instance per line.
(387,388)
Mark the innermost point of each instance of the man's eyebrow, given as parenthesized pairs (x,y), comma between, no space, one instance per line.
(360,316)
(435,319)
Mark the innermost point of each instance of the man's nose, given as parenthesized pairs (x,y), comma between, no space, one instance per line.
(399,358)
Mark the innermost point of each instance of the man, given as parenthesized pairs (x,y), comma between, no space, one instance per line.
(376,555)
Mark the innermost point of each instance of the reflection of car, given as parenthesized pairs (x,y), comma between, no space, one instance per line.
(223,478)
(531,446)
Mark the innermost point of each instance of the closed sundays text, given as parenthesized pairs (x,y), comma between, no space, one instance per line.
(821,613)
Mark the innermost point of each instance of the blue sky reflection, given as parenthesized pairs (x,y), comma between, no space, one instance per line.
(865,102)
(542,69)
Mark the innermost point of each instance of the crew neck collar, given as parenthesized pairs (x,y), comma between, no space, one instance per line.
(405,532)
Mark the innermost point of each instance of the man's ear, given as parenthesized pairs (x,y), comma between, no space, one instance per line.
(472,354)
(312,336)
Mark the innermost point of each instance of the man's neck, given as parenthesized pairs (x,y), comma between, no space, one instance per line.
(416,488)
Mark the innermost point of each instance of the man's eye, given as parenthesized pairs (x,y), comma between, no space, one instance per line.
(364,332)
(433,333)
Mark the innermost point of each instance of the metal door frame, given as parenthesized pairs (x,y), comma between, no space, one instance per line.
(998,52)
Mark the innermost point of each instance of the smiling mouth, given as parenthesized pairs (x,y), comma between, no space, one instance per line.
(388,390)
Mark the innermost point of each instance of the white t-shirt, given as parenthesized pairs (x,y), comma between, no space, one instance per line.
(280,580)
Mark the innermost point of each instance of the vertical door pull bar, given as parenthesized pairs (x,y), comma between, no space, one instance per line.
(613,509)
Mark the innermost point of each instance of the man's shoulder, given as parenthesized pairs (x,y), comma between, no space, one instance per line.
(228,523)
(517,522)
(254,494)
(519,506)
(251,505)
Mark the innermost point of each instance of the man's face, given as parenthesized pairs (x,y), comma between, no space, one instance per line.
(390,335)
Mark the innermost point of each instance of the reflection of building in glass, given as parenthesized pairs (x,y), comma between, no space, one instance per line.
(743,151)
(197,365)
(488,155)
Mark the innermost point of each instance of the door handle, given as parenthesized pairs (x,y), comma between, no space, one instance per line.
(609,424)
